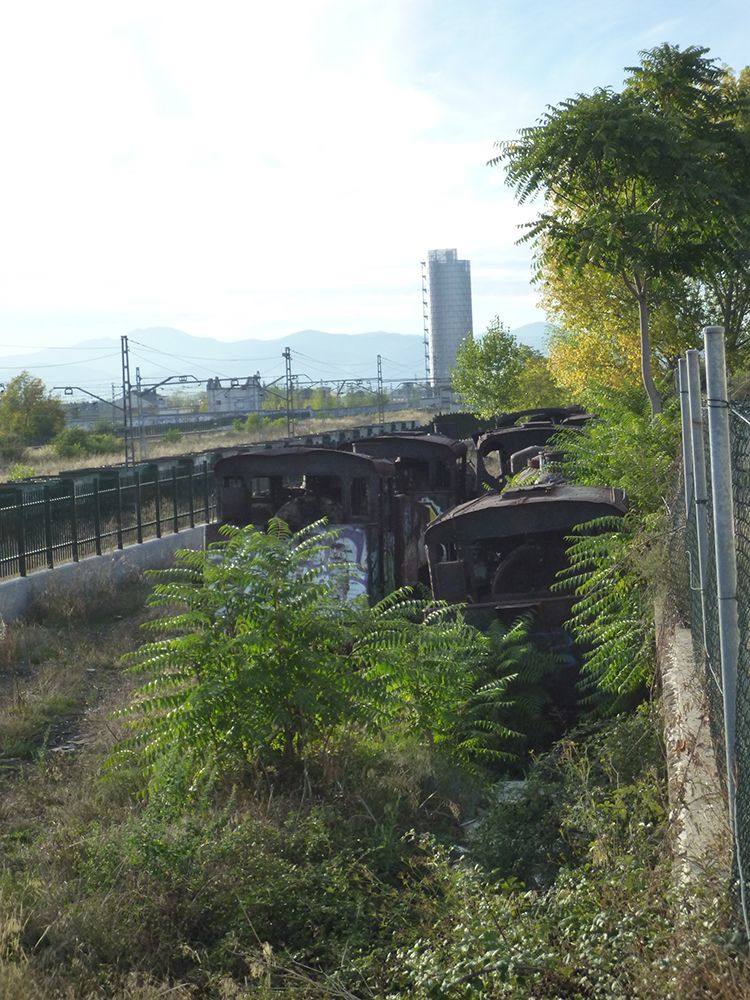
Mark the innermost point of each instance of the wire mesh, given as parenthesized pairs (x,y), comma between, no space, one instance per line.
(740,439)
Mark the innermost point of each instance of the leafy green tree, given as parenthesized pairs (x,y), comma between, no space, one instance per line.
(635,183)
(29,412)
(265,660)
(497,373)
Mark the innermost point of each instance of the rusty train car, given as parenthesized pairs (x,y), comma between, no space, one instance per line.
(302,485)
(503,452)
(430,478)
(403,507)
(500,553)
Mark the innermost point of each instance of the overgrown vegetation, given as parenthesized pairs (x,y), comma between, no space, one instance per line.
(75,442)
(497,373)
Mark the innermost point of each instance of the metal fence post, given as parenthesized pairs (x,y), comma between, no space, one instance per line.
(175,507)
(157,501)
(726,561)
(73,522)
(700,489)
(687,455)
(191,500)
(48,527)
(118,499)
(207,518)
(21,533)
(138,511)
(97,518)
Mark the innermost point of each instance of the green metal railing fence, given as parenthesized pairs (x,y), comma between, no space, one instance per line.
(66,518)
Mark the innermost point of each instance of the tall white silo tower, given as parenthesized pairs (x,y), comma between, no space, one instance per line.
(448,310)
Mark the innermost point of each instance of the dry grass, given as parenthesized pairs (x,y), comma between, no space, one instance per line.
(56,668)
(45,462)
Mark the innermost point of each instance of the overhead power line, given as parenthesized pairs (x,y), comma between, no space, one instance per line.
(62,364)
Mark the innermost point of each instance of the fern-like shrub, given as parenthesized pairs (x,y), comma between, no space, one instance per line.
(612,616)
(257,658)
(626,447)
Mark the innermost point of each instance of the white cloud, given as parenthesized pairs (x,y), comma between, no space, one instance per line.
(235,168)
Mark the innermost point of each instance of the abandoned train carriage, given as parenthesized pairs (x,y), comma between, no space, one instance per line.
(500,554)
(302,485)
(431,478)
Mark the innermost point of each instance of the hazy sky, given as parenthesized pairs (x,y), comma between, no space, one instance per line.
(251,168)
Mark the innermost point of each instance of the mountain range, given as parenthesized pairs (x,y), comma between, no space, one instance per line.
(163,351)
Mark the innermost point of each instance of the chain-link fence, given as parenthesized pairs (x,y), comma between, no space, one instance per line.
(713,518)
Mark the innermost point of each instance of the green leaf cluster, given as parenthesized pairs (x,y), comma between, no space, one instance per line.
(257,660)
(496,373)
(28,413)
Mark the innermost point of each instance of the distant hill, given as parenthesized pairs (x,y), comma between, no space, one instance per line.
(161,351)
(534,335)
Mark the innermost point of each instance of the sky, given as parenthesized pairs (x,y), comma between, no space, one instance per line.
(247,169)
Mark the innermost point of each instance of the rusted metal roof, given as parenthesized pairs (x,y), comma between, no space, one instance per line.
(551,414)
(418,446)
(511,439)
(303,461)
(527,510)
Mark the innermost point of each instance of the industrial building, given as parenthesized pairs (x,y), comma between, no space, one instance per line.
(448,311)
(234,395)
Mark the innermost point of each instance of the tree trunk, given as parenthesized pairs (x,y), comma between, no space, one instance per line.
(648,381)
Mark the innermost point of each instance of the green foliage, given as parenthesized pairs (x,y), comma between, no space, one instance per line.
(642,184)
(18,472)
(497,373)
(626,447)
(529,675)
(577,902)
(28,413)
(12,448)
(249,889)
(612,617)
(614,563)
(264,659)
(75,442)
(173,436)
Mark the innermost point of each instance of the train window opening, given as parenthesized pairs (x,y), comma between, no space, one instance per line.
(359,497)
(526,565)
(412,475)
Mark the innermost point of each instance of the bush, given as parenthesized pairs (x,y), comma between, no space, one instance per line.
(18,472)
(75,442)
(173,436)
(12,448)
(265,659)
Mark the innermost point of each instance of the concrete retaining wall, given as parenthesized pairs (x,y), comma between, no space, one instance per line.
(19,595)
(698,811)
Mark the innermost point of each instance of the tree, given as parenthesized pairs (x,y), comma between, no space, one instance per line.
(28,412)
(263,659)
(596,345)
(635,183)
(497,373)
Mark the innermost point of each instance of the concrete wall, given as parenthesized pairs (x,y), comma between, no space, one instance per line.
(699,819)
(19,595)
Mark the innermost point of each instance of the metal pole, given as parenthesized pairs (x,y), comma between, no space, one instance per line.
(700,489)
(726,562)
(127,403)
(287,356)
(381,400)
(687,455)
(142,454)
